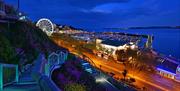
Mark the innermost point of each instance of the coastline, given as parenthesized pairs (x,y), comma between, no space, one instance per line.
(164,47)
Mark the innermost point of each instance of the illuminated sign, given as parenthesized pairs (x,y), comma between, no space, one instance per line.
(165,71)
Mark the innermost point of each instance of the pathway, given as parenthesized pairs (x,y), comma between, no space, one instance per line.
(26,82)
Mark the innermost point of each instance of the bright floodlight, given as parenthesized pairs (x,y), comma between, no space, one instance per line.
(100,79)
(46,25)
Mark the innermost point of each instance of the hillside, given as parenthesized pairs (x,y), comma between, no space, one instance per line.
(22,42)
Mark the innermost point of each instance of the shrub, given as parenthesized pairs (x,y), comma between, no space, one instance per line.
(74,87)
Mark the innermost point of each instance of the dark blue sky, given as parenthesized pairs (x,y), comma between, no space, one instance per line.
(104,13)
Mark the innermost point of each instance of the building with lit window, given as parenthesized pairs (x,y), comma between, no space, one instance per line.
(169,68)
(111,46)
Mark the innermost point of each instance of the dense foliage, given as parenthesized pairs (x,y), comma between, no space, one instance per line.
(7,52)
(71,73)
(21,42)
(74,87)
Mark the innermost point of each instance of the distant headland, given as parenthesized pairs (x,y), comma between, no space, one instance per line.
(149,27)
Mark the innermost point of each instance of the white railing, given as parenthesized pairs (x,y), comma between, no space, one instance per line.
(8,74)
(55,60)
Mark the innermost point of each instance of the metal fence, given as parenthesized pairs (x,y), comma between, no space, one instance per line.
(8,74)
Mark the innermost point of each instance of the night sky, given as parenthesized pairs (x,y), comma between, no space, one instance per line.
(104,13)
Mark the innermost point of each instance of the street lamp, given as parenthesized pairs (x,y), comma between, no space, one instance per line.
(18,5)
(100,79)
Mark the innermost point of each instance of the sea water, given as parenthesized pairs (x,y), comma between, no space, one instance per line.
(166,41)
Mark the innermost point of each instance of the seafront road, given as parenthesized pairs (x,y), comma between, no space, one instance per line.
(151,81)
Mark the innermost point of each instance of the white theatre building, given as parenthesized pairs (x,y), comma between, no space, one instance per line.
(110,46)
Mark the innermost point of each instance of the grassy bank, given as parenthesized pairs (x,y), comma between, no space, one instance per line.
(21,42)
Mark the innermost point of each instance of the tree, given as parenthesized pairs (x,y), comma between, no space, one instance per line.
(131,53)
(125,73)
(7,52)
(9,9)
(120,54)
(147,58)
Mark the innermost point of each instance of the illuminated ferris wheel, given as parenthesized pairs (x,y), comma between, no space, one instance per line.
(46,25)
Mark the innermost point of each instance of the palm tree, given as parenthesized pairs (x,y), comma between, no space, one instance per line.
(125,73)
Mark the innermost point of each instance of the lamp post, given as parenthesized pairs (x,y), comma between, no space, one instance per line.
(18,5)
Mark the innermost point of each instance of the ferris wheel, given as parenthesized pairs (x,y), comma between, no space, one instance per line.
(45,25)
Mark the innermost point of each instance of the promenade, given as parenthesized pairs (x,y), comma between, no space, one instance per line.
(151,81)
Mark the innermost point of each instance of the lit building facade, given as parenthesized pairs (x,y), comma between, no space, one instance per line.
(111,46)
(169,68)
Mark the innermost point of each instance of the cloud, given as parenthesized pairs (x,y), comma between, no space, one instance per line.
(104,8)
(104,13)
(87,4)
